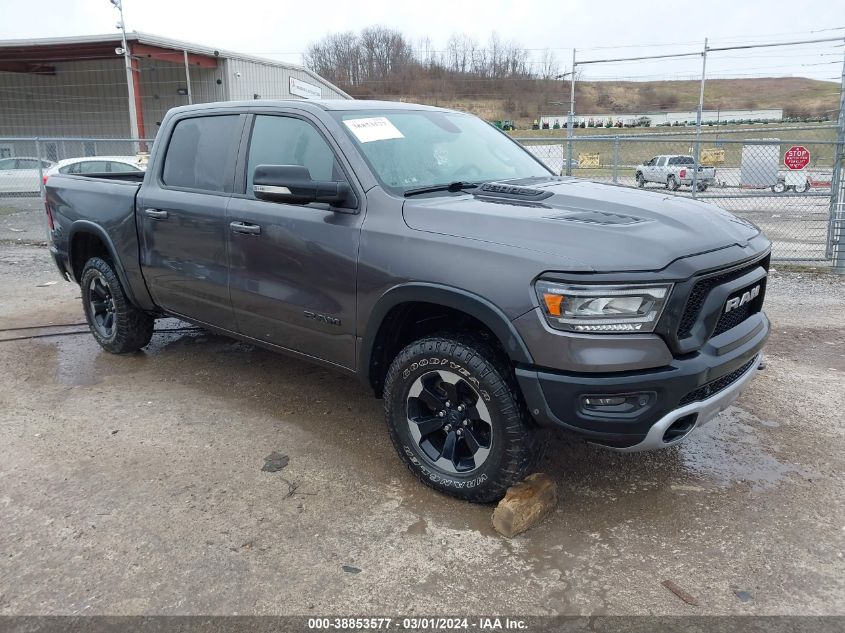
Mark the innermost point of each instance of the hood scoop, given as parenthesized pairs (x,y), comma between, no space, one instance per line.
(602,218)
(512,192)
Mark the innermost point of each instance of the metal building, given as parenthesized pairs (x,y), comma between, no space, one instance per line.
(77,86)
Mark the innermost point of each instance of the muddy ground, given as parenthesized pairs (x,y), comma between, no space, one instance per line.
(134,485)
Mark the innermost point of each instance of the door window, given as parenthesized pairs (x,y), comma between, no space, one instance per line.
(278,140)
(200,152)
(661,162)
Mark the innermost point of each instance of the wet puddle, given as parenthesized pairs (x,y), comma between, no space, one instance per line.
(612,506)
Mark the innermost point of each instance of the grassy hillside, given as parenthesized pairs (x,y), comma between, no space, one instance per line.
(797,96)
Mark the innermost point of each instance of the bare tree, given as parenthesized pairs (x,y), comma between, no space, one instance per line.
(336,57)
(548,65)
(461,53)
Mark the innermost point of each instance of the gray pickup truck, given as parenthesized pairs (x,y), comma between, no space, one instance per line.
(425,252)
(674,170)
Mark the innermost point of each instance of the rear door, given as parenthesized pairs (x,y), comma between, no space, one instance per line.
(293,279)
(181,215)
(661,170)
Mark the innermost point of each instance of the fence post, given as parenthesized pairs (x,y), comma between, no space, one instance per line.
(40,166)
(571,118)
(698,114)
(616,159)
(837,226)
(837,189)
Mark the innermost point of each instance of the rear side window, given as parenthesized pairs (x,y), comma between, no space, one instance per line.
(92,167)
(681,160)
(278,140)
(121,168)
(200,152)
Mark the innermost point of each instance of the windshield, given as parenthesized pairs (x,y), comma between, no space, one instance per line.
(418,148)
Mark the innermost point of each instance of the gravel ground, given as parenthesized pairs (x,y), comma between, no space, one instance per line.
(133,485)
(22,220)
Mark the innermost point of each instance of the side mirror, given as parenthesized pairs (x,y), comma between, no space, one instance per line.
(293,184)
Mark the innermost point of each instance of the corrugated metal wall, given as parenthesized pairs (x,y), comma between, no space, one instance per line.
(89,98)
(160,83)
(86,98)
(245,79)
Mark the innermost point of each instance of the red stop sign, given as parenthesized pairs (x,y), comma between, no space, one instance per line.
(797,157)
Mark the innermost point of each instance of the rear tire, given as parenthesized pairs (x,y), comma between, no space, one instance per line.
(672,184)
(117,325)
(456,418)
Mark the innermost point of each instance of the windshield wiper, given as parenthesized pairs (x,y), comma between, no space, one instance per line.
(454,187)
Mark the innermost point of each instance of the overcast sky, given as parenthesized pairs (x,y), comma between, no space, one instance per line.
(282,29)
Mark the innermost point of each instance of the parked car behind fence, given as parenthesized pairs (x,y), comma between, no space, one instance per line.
(19,175)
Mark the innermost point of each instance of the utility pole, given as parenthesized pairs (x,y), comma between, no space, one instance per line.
(130,78)
(188,78)
(697,159)
(571,122)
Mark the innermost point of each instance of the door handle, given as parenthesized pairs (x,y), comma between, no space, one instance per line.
(243,227)
(156,214)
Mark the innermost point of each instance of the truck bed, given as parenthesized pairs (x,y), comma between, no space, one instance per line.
(105,206)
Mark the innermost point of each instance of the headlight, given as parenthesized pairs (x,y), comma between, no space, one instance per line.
(602,309)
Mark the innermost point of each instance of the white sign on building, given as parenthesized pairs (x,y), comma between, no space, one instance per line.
(304,89)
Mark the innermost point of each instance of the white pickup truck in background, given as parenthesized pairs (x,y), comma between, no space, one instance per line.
(674,170)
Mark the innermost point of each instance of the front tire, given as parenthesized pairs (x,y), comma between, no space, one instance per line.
(457,420)
(640,180)
(117,325)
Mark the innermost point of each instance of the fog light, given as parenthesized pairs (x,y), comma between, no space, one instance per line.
(616,404)
(604,401)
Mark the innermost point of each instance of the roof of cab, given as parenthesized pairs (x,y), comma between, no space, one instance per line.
(341,105)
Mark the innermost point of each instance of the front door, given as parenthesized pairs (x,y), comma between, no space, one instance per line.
(293,267)
(182,220)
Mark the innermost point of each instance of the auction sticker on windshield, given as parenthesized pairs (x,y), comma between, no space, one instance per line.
(377,128)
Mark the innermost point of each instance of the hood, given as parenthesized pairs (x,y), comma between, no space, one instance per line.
(583,225)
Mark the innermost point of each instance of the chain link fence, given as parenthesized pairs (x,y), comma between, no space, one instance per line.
(25,163)
(743,171)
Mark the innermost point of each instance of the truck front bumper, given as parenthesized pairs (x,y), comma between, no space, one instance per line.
(660,406)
